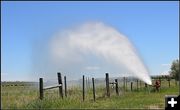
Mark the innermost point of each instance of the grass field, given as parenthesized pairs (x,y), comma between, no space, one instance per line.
(16,97)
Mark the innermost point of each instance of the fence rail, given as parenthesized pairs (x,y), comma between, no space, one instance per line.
(60,86)
(51,87)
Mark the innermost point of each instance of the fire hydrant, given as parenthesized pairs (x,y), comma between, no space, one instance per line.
(157,85)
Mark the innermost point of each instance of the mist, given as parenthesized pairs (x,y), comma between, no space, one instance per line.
(90,49)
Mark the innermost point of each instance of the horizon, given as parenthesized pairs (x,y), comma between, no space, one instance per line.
(77,79)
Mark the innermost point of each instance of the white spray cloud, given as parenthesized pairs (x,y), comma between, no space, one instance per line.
(92,68)
(97,42)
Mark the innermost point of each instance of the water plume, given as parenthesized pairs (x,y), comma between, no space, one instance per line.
(96,48)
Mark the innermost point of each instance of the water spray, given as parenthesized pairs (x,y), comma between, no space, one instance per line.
(73,48)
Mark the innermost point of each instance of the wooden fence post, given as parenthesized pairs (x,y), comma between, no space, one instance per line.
(117,90)
(65,86)
(107,84)
(175,82)
(86,80)
(124,83)
(88,83)
(160,79)
(94,95)
(41,88)
(60,82)
(137,85)
(131,85)
(83,88)
(169,82)
(145,84)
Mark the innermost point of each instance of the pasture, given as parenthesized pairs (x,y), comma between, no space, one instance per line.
(23,95)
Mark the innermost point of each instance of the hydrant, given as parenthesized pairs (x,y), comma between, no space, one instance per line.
(157,85)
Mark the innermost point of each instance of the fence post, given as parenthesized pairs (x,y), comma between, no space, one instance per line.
(93,90)
(131,85)
(160,79)
(145,84)
(65,86)
(88,83)
(175,81)
(140,84)
(107,84)
(86,80)
(83,88)
(60,82)
(117,91)
(169,82)
(124,83)
(137,85)
(41,88)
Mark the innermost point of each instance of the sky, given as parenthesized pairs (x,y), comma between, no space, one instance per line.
(152,27)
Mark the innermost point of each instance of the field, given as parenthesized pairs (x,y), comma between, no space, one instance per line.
(27,96)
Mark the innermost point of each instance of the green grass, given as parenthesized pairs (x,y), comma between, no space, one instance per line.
(25,97)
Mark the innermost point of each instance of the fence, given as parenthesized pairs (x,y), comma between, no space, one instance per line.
(60,86)
(107,84)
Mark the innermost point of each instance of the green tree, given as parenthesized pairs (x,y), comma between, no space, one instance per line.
(175,69)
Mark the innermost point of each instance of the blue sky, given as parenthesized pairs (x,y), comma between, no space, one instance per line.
(151,26)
